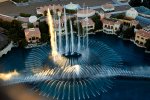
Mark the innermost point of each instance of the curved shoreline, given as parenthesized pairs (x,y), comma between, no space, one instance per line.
(6,49)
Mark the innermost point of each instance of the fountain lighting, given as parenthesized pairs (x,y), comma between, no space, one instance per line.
(78,67)
(8,76)
(70,51)
(52,34)
(81,82)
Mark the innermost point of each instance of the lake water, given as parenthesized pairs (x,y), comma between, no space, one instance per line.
(122,89)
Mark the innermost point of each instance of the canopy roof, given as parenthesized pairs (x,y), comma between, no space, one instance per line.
(72,6)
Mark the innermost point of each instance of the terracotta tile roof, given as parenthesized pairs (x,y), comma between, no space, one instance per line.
(111,21)
(31,31)
(86,11)
(107,6)
(143,33)
(84,22)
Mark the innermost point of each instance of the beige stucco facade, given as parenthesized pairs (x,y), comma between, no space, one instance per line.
(87,23)
(32,35)
(142,35)
(110,26)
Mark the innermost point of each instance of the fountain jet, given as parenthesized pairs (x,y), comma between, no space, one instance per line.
(60,37)
(52,34)
(72,38)
(66,32)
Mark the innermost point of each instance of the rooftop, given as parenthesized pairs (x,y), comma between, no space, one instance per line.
(88,21)
(111,21)
(145,32)
(72,6)
(32,31)
(107,6)
(85,13)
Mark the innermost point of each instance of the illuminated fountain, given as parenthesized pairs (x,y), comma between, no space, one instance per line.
(76,66)
(52,34)
(57,49)
(73,67)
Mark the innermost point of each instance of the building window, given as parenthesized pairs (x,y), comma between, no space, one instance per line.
(37,38)
(137,36)
(141,43)
(146,39)
(111,27)
(142,38)
(137,41)
(33,38)
(90,26)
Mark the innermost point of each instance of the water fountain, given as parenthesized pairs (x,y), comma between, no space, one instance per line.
(73,67)
(77,67)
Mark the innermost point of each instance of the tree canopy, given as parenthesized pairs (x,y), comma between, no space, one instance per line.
(147,44)
(97,21)
(129,33)
(136,3)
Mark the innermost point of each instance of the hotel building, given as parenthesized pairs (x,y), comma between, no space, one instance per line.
(108,7)
(142,35)
(87,23)
(32,35)
(110,26)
